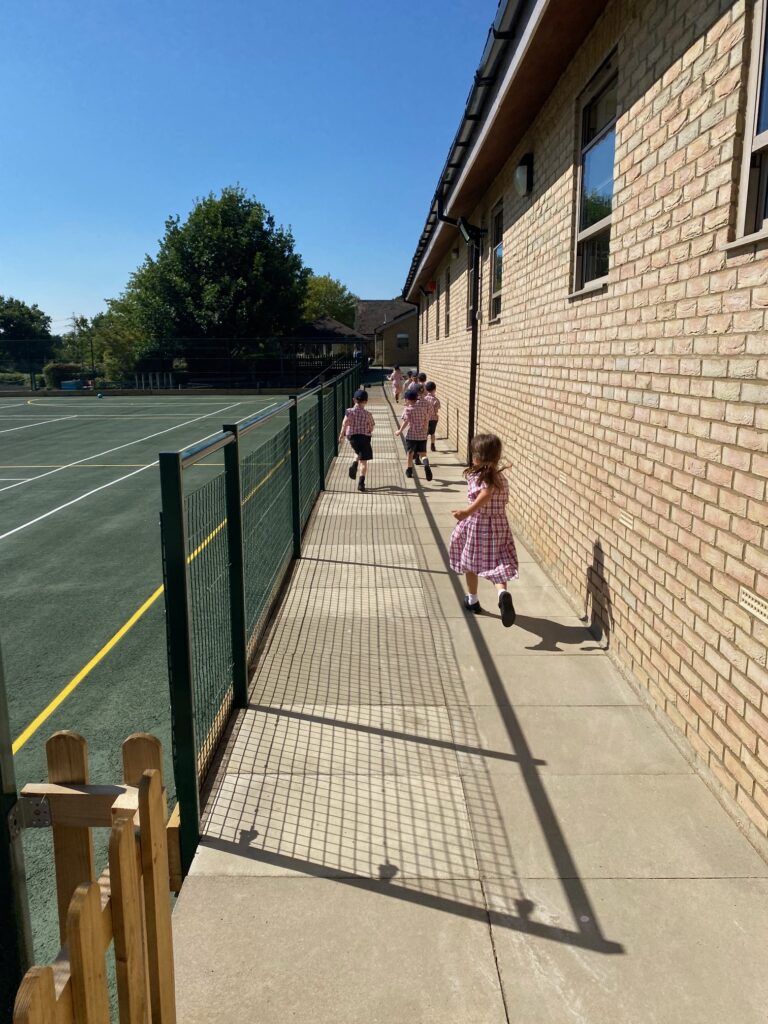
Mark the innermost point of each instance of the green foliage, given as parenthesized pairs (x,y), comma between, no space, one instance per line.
(13,378)
(328,297)
(25,333)
(77,344)
(55,373)
(227,272)
(119,341)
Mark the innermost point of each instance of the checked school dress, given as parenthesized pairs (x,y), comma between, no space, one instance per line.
(482,543)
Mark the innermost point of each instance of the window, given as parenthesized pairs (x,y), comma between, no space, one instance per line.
(595,198)
(497,252)
(402,340)
(426,320)
(753,194)
(437,310)
(447,302)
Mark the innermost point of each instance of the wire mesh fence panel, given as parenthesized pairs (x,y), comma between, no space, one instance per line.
(267,533)
(330,426)
(309,486)
(209,595)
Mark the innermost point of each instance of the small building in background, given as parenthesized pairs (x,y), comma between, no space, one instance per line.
(396,342)
(372,315)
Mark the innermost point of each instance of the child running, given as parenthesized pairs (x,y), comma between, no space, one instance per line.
(434,410)
(397,382)
(414,420)
(481,542)
(358,426)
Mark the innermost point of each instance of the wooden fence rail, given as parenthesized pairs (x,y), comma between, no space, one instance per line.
(128,905)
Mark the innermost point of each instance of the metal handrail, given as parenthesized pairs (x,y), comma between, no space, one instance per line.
(196,452)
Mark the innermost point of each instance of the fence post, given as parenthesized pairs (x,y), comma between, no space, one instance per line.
(336,423)
(321,432)
(174,534)
(15,931)
(293,415)
(234,500)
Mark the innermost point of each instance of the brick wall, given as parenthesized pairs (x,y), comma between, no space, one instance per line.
(635,420)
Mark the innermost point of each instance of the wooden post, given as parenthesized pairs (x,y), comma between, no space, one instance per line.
(140,752)
(85,938)
(67,754)
(36,998)
(128,925)
(154,862)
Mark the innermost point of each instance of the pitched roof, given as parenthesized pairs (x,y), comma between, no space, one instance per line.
(325,328)
(371,313)
(396,319)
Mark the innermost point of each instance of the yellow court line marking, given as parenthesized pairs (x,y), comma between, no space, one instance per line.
(60,697)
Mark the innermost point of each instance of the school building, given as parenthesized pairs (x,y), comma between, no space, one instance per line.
(592,282)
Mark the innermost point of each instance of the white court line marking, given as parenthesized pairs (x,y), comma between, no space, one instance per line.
(128,444)
(95,490)
(40,423)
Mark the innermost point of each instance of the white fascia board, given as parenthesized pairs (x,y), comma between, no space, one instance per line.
(520,51)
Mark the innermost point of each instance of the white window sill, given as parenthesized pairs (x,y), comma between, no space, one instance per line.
(496,320)
(598,285)
(747,241)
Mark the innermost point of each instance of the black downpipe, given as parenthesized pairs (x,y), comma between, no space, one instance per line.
(474,247)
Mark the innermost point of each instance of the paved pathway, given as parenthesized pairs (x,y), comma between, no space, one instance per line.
(425,817)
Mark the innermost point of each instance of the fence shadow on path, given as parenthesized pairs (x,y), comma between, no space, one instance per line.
(359,758)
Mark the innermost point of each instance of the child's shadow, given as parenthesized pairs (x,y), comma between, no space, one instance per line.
(552,634)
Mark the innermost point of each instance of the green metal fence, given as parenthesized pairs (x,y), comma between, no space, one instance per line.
(233,512)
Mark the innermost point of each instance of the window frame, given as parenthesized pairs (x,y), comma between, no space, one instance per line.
(496,258)
(753,180)
(437,308)
(470,275)
(426,319)
(604,77)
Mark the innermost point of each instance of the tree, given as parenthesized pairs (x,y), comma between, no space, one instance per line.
(77,343)
(25,333)
(119,341)
(227,272)
(328,297)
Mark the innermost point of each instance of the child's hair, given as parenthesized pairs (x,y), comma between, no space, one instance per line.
(397,367)
(430,385)
(423,377)
(484,455)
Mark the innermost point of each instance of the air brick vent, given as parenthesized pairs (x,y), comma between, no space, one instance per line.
(755,605)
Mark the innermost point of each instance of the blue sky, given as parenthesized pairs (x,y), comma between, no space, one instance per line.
(117,113)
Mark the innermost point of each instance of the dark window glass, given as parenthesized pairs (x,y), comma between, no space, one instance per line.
(762,109)
(594,257)
(597,180)
(600,112)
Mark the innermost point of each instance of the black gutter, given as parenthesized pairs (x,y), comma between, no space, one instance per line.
(502,36)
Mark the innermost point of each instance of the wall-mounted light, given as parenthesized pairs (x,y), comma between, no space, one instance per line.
(471,233)
(523,176)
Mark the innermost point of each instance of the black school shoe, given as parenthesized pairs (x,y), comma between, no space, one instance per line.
(475,608)
(409,471)
(507,608)
(361,484)
(353,470)
(427,470)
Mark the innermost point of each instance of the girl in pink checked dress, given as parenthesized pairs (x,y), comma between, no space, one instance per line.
(481,542)
(397,382)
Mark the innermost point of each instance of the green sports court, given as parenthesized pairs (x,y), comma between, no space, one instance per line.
(82,625)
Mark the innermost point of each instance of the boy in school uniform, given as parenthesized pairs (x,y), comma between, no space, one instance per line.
(414,421)
(434,410)
(357,427)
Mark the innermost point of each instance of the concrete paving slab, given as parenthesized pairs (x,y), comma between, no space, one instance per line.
(569,740)
(324,951)
(689,953)
(528,679)
(616,826)
(546,635)
(369,826)
(332,739)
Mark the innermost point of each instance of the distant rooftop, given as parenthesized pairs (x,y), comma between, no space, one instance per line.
(373,313)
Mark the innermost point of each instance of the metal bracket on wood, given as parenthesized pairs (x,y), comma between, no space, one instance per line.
(28,812)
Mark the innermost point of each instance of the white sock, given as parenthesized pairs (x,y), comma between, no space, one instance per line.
(472,598)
